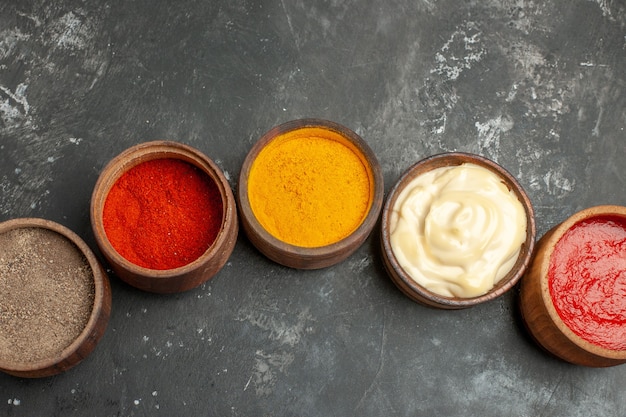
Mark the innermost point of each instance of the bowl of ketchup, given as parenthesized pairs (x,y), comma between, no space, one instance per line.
(573,297)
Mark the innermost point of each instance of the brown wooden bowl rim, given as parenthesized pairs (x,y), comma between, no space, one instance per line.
(508,281)
(99,300)
(147,151)
(551,241)
(329,251)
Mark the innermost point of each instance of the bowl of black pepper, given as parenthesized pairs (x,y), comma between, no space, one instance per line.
(55,298)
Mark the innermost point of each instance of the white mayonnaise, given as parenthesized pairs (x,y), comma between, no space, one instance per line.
(457,230)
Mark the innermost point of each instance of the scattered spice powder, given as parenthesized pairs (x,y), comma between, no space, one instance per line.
(46,294)
(163,214)
(310,187)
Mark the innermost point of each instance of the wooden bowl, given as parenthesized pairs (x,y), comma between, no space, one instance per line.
(295,255)
(418,292)
(180,278)
(538,310)
(60,359)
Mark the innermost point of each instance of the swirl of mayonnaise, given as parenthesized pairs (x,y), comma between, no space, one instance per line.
(457,230)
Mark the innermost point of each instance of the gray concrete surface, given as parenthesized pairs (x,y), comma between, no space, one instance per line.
(538,86)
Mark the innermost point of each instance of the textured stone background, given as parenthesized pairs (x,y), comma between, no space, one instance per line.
(538,86)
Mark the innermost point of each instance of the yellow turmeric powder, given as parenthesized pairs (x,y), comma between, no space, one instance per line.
(310,187)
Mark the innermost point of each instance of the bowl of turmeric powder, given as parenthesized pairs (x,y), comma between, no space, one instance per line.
(164,216)
(310,192)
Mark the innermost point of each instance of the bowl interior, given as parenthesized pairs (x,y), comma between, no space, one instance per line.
(420,293)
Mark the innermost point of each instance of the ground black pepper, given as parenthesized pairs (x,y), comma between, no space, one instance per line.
(46,294)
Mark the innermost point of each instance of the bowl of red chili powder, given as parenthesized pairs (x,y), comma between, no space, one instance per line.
(164,216)
(310,192)
(55,298)
(573,298)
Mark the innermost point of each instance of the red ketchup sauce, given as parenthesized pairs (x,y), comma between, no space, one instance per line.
(587,280)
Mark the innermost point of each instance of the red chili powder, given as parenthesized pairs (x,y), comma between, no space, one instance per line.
(163,214)
(587,281)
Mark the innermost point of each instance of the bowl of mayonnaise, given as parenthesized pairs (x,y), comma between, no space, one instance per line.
(457,230)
